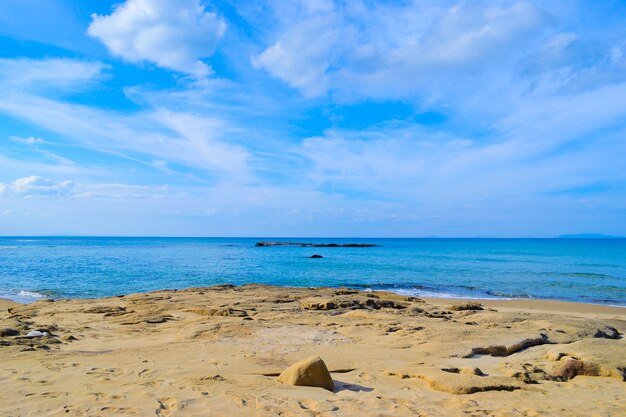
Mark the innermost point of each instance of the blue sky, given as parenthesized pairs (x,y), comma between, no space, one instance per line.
(312,118)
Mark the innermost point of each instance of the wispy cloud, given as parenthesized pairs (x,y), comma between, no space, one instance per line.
(48,74)
(195,140)
(394,50)
(38,186)
(29,140)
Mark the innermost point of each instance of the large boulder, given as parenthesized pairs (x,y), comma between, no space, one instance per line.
(311,372)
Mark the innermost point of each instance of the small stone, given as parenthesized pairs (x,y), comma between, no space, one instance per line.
(156,320)
(311,372)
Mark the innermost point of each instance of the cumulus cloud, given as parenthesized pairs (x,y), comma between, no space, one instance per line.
(173,34)
(38,186)
(2,188)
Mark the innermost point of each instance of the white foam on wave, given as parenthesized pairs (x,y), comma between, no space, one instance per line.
(22,296)
(432,294)
(30,294)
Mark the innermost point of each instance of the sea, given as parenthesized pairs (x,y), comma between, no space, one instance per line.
(583,270)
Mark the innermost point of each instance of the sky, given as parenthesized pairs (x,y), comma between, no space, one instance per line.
(356,118)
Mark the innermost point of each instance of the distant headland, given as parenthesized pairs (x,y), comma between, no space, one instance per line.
(590,236)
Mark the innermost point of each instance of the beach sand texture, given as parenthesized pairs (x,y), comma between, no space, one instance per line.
(218,351)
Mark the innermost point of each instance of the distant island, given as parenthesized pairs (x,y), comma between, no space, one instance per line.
(318,245)
(590,236)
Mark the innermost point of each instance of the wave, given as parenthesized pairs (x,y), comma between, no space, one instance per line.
(509,295)
(30,294)
(416,290)
(23,296)
(437,294)
(586,275)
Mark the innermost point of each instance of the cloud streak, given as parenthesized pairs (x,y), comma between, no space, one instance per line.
(37,186)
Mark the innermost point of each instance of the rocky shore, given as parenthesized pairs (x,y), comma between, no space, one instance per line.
(253,350)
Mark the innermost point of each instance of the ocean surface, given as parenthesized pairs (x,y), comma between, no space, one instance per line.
(585,270)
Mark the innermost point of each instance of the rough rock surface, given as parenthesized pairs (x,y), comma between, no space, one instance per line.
(221,348)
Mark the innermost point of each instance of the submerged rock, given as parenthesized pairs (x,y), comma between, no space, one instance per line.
(311,372)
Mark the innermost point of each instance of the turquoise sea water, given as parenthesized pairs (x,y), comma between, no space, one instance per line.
(587,270)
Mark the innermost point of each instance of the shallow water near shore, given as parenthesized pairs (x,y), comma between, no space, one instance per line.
(584,270)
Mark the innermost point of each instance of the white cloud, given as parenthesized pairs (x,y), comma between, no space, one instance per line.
(48,74)
(202,141)
(123,191)
(184,138)
(426,169)
(378,50)
(173,34)
(302,56)
(38,186)
(187,138)
(28,141)
(2,188)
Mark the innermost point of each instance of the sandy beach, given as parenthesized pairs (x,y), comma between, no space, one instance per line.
(217,351)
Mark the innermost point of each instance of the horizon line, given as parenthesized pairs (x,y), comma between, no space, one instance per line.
(563,236)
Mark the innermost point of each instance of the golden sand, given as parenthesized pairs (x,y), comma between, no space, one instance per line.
(218,351)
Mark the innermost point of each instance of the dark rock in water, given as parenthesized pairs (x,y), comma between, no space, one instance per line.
(318,245)
(316,256)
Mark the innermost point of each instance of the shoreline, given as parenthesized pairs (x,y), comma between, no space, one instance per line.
(533,304)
